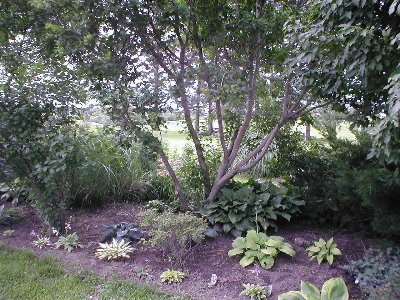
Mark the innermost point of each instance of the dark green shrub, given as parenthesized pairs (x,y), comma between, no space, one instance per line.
(190,172)
(252,205)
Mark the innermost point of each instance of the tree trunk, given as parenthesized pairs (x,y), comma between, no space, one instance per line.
(197,107)
(308,133)
(210,127)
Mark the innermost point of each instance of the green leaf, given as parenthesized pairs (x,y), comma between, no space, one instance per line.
(309,291)
(239,242)
(234,217)
(246,261)
(227,227)
(329,258)
(292,295)
(313,249)
(334,289)
(288,250)
(336,251)
(270,251)
(235,251)
(319,260)
(267,262)
(329,242)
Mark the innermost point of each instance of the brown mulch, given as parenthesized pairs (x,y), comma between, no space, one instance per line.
(207,259)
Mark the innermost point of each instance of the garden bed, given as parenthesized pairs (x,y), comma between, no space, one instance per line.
(146,264)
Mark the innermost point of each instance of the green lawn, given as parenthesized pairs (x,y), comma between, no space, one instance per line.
(25,276)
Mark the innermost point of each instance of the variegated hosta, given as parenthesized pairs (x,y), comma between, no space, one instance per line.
(172,276)
(333,289)
(322,250)
(114,250)
(257,246)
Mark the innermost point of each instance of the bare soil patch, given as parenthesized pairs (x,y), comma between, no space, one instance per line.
(146,264)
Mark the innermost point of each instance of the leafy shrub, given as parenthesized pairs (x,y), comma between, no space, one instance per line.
(260,247)
(69,242)
(172,276)
(252,205)
(256,292)
(322,250)
(333,289)
(42,242)
(375,269)
(174,233)
(191,174)
(15,191)
(115,250)
(123,231)
(9,233)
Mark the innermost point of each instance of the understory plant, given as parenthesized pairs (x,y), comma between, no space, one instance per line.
(252,205)
(375,269)
(69,242)
(123,231)
(172,276)
(42,242)
(115,250)
(8,216)
(257,246)
(323,250)
(333,289)
(175,233)
(9,233)
(256,292)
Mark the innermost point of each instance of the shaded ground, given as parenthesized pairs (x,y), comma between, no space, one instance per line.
(146,264)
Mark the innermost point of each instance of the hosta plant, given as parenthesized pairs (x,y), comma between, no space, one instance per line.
(42,242)
(322,250)
(114,250)
(123,231)
(256,292)
(258,247)
(252,205)
(69,242)
(172,276)
(333,289)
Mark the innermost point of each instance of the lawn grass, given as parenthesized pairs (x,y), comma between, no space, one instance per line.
(23,275)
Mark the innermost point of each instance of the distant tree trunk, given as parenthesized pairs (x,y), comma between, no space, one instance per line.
(308,127)
(210,128)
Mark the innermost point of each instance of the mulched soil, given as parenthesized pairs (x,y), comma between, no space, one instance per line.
(207,259)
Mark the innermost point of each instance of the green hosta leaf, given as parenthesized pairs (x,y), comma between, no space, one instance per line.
(329,242)
(234,217)
(309,291)
(254,253)
(227,227)
(293,295)
(285,215)
(252,235)
(319,260)
(262,237)
(329,258)
(334,289)
(267,262)
(246,261)
(271,251)
(321,243)
(239,242)
(287,248)
(235,251)
(336,251)
(313,249)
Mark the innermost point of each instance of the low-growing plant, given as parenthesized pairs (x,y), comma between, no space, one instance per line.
(333,289)
(123,231)
(9,233)
(260,247)
(8,216)
(175,233)
(142,272)
(117,249)
(388,291)
(252,205)
(172,276)
(42,242)
(256,292)
(322,250)
(69,242)
(375,269)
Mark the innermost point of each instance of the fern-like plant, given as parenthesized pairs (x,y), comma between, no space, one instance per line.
(69,242)
(114,250)
(172,276)
(322,250)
